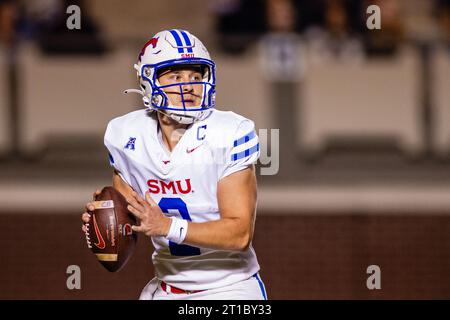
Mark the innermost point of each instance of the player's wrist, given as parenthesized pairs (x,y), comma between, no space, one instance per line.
(178,230)
(167,222)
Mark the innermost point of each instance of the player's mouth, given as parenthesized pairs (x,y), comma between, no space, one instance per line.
(189,99)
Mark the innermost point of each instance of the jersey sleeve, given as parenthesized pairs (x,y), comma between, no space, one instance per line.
(115,153)
(242,150)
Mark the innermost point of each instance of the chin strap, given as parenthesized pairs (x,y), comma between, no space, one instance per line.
(145,99)
(134,91)
(182,119)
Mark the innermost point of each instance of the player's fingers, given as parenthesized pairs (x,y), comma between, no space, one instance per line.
(138,228)
(141,203)
(96,193)
(83,228)
(90,206)
(149,199)
(138,198)
(134,203)
(134,211)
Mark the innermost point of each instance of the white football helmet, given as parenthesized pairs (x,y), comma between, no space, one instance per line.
(173,48)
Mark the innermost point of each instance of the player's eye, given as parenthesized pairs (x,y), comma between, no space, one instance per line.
(175,77)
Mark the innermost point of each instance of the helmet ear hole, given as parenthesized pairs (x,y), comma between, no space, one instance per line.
(143,86)
(157,99)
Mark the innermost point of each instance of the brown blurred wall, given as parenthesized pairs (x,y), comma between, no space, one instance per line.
(307,256)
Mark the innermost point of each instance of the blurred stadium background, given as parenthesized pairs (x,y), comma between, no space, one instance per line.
(364,119)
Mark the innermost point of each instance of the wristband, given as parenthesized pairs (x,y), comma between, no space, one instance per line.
(178,230)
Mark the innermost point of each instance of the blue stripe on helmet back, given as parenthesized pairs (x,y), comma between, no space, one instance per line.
(177,40)
(187,40)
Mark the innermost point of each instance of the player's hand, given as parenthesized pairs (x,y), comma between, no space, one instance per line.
(86,216)
(153,221)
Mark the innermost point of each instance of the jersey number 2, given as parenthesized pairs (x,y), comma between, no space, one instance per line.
(167,204)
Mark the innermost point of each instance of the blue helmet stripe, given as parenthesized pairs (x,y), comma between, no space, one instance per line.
(187,40)
(249,136)
(177,40)
(246,153)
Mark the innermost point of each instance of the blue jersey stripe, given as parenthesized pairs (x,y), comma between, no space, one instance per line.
(187,40)
(177,40)
(249,136)
(246,153)
(261,286)
(111,159)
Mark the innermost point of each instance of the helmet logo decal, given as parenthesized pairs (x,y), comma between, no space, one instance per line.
(152,41)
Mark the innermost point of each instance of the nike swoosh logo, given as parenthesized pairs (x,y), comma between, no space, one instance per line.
(192,150)
(101,243)
(181,230)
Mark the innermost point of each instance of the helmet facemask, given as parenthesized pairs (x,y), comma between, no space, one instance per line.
(201,91)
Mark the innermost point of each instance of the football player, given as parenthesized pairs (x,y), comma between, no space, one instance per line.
(187,172)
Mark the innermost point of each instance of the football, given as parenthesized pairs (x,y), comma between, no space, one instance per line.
(108,233)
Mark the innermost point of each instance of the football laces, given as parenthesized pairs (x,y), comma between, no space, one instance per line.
(88,238)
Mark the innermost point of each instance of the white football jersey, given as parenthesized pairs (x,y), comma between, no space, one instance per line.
(184,184)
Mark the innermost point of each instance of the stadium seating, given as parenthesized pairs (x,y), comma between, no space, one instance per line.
(73,96)
(4,101)
(241,87)
(441,102)
(377,99)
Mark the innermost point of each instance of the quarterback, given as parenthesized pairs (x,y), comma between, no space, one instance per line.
(187,172)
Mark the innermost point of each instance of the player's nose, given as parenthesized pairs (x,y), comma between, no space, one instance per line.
(188,88)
